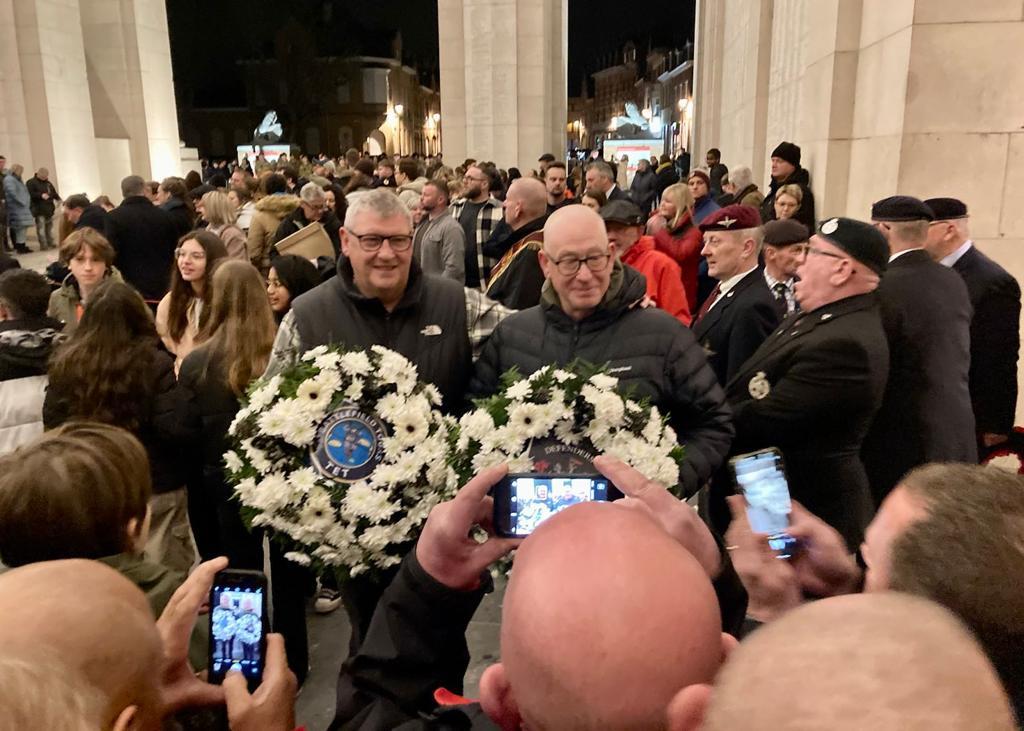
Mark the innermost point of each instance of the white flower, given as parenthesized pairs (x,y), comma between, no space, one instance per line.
(390,406)
(562,376)
(539,373)
(327,361)
(291,419)
(299,558)
(502,439)
(669,439)
(633,407)
(233,461)
(263,395)
(608,407)
(356,363)
(376,538)
(482,460)
(397,369)
(652,430)
(363,501)
(303,480)
(567,433)
(433,394)
(518,390)
(314,353)
(604,382)
(410,428)
(257,457)
(245,490)
(271,494)
(528,421)
(477,424)
(354,392)
(317,513)
(312,394)
(241,416)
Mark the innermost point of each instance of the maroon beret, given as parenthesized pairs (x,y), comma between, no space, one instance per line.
(700,174)
(732,218)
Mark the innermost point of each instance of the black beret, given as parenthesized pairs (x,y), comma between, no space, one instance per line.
(732,218)
(788,152)
(860,240)
(624,212)
(901,208)
(785,232)
(947,209)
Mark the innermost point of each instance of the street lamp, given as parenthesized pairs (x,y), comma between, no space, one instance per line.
(398,111)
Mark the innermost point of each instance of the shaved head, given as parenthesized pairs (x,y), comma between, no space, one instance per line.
(528,198)
(96,621)
(573,225)
(606,618)
(867,661)
(576,232)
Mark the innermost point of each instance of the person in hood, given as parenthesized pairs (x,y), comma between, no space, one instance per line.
(410,179)
(786,170)
(591,310)
(27,337)
(275,206)
(89,258)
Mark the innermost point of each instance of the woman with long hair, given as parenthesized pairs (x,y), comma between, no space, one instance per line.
(172,196)
(180,315)
(220,216)
(676,234)
(289,277)
(112,370)
(236,341)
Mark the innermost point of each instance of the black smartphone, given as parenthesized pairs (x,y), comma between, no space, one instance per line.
(238,625)
(761,478)
(524,501)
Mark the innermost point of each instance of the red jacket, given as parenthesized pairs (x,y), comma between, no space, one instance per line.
(664,282)
(683,244)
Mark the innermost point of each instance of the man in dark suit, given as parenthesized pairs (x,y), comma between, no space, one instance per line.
(740,312)
(995,326)
(82,214)
(814,385)
(600,178)
(144,237)
(926,414)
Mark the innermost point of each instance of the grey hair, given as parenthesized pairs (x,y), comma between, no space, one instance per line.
(133,185)
(380,202)
(312,193)
(741,177)
(602,168)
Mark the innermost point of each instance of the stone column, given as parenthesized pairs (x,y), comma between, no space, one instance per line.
(503,79)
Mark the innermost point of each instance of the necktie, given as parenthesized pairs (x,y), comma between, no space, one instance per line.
(708,302)
(780,290)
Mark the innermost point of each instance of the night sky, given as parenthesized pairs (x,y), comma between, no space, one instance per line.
(207,38)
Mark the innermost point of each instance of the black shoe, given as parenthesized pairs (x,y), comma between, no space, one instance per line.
(22,250)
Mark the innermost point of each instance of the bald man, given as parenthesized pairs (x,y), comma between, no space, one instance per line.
(609,613)
(885,662)
(516,279)
(591,309)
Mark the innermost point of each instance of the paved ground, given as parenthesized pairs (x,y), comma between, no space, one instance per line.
(328,639)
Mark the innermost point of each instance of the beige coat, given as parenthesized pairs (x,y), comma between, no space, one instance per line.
(178,348)
(270,211)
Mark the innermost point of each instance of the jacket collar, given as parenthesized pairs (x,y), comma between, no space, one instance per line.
(637,250)
(626,289)
(715,313)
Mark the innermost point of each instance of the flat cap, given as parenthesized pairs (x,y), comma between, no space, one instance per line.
(732,218)
(785,232)
(947,209)
(624,212)
(901,208)
(860,240)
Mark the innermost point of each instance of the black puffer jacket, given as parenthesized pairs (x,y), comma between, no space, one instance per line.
(649,351)
(25,346)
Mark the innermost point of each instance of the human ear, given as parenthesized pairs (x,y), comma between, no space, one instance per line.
(497,700)
(126,719)
(688,707)
(344,240)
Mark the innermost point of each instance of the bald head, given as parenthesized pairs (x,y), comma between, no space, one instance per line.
(525,201)
(867,661)
(573,225)
(606,618)
(575,233)
(96,621)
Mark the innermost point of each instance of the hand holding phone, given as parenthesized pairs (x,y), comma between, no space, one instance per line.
(761,478)
(524,501)
(238,625)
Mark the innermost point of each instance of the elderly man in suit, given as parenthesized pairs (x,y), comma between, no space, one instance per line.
(926,414)
(740,312)
(995,325)
(814,385)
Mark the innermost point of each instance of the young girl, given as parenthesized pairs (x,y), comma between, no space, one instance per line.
(180,313)
(290,277)
(112,370)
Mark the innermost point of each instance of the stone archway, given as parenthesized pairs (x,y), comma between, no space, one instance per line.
(375,143)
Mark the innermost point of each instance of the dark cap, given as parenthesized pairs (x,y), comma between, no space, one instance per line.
(899,208)
(785,232)
(700,174)
(624,212)
(947,209)
(732,218)
(860,240)
(788,152)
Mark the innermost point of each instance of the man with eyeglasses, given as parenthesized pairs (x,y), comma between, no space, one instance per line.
(926,415)
(312,209)
(815,383)
(478,212)
(591,309)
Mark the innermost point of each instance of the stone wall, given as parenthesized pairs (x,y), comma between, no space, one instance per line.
(918,97)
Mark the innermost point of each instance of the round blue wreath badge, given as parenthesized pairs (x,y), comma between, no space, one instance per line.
(349,444)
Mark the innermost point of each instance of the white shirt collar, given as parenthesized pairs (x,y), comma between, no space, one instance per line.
(724,287)
(954,256)
(898,254)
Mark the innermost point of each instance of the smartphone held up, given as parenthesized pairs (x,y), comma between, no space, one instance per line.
(238,625)
(761,478)
(524,501)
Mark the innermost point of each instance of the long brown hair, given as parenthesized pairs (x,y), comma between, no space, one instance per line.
(181,291)
(240,328)
(105,368)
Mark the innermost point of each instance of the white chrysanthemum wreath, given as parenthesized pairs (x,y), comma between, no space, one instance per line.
(342,456)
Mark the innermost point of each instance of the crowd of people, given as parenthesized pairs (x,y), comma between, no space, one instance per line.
(879,358)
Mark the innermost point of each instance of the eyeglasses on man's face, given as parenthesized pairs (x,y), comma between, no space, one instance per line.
(569,266)
(373,242)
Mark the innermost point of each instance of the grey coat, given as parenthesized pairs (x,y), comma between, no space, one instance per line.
(441,247)
(19,213)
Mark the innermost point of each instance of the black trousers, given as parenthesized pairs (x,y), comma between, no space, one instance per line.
(360,596)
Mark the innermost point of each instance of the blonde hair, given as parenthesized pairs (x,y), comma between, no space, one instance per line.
(680,196)
(217,208)
(793,191)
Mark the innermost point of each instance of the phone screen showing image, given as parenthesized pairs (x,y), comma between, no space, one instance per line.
(237,632)
(762,480)
(532,499)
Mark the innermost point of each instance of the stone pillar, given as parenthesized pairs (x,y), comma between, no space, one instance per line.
(503,79)
(129,60)
(45,98)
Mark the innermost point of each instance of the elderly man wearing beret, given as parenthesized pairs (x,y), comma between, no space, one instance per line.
(785,242)
(814,385)
(926,415)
